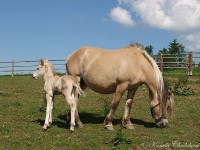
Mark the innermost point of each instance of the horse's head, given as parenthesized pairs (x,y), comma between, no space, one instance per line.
(166,108)
(40,70)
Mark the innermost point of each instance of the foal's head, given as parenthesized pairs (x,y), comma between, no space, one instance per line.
(44,68)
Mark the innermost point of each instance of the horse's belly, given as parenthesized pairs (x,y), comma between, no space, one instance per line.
(101,87)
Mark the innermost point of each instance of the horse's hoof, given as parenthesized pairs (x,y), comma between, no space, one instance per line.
(129,126)
(109,127)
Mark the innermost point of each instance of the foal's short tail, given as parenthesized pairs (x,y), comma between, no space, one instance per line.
(78,89)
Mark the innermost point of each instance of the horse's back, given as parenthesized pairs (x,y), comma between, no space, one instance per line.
(103,70)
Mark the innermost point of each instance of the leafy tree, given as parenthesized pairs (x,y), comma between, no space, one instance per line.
(174,48)
(164,51)
(149,49)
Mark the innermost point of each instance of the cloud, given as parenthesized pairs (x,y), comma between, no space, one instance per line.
(121,16)
(192,40)
(181,17)
(166,14)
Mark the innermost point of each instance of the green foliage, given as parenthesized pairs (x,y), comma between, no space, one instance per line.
(106,106)
(174,48)
(181,87)
(149,49)
(118,139)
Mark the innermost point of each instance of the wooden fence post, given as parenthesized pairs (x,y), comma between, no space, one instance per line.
(190,63)
(161,62)
(13,68)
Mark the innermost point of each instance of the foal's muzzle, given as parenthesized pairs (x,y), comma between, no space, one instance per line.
(34,76)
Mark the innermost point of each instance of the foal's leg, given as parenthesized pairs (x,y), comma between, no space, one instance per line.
(118,94)
(77,118)
(50,118)
(72,104)
(76,96)
(48,111)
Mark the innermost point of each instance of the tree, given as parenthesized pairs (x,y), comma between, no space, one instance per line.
(174,48)
(164,51)
(149,49)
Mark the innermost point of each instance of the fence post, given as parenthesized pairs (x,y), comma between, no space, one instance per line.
(161,62)
(13,68)
(190,63)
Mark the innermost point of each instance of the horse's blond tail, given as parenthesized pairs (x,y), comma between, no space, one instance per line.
(159,78)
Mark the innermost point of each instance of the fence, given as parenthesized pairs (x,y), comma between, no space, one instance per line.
(28,67)
(186,61)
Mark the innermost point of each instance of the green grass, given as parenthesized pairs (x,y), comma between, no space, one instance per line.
(22,116)
(181,72)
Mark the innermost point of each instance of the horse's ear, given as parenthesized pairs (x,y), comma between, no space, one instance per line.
(42,62)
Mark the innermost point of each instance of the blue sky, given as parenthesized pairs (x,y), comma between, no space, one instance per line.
(52,29)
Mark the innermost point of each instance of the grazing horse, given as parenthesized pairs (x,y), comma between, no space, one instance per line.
(115,71)
(55,85)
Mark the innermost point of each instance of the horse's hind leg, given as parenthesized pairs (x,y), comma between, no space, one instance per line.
(126,119)
(118,94)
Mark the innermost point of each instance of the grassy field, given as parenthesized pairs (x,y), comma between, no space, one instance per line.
(22,115)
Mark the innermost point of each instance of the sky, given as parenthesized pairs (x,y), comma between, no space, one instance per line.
(53,29)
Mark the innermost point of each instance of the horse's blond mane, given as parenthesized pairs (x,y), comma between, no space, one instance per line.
(159,79)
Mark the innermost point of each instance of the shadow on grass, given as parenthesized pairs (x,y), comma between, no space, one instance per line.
(59,124)
(143,123)
(89,118)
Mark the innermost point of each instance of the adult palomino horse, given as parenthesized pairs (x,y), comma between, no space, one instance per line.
(119,70)
(54,85)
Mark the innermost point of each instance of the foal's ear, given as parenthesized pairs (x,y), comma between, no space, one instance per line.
(42,62)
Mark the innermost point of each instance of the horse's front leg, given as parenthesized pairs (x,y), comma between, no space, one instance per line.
(118,94)
(48,112)
(126,122)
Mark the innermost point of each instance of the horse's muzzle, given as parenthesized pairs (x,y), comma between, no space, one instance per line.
(162,123)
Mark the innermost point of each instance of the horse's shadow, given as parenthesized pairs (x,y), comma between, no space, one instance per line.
(89,118)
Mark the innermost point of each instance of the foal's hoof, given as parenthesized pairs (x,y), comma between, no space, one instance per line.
(44,129)
(109,127)
(129,126)
(80,124)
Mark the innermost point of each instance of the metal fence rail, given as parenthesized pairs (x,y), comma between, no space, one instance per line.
(28,66)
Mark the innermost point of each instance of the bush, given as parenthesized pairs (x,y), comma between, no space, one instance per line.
(181,87)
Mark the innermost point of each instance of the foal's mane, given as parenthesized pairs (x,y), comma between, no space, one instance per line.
(43,61)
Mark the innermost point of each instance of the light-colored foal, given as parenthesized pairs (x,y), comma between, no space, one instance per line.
(55,85)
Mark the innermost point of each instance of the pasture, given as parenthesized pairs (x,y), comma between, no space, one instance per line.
(22,114)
